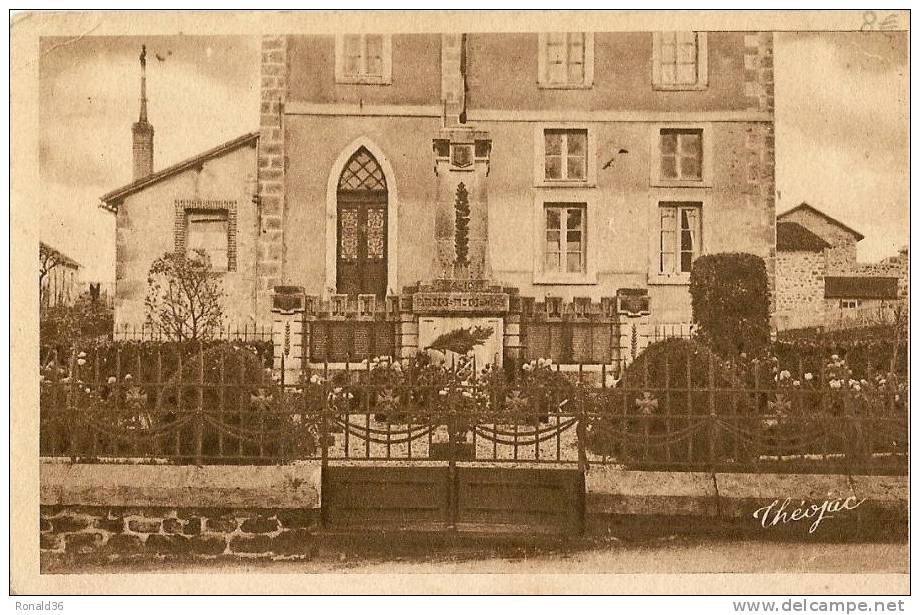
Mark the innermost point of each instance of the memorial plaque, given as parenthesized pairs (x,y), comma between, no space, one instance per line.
(453,302)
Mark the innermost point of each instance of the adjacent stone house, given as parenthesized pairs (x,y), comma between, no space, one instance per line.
(818,279)
(416,183)
(801,265)
(842,240)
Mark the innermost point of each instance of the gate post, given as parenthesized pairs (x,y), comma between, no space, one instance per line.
(453,483)
(633,323)
(287,331)
(581,427)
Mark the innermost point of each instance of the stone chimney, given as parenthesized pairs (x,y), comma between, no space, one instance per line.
(142,130)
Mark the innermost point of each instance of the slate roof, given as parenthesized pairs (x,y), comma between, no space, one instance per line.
(806,207)
(793,237)
(112,199)
(860,287)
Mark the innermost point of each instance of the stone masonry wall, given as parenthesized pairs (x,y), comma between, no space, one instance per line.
(799,288)
(118,533)
(896,266)
(760,189)
(272,165)
(841,256)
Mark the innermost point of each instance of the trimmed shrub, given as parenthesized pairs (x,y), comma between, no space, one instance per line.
(731,303)
(62,327)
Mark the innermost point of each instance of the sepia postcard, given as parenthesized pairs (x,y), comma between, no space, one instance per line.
(461,302)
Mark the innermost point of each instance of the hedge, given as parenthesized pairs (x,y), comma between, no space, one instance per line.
(731,303)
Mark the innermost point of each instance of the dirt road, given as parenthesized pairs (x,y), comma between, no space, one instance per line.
(663,555)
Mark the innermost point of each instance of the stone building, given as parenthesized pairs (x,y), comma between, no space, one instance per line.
(209,201)
(894,266)
(59,277)
(409,184)
(841,253)
(801,265)
(818,279)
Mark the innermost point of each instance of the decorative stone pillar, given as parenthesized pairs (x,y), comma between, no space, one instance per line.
(633,323)
(288,332)
(459,297)
(461,210)
(407,333)
(512,341)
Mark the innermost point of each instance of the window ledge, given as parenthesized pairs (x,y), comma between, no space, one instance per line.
(672,279)
(565,86)
(564,183)
(562,278)
(680,183)
(359,80)
(688,87)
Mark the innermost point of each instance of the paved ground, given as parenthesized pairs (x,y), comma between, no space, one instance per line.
(516,555)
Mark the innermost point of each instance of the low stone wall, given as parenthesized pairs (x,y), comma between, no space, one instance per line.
(116,533)
(115,511)
(725,503)
(290,486)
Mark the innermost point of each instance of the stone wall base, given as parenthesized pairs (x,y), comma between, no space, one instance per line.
(119,533)
(109,513)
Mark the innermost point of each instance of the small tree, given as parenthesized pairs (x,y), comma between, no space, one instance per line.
(731,303)
(48,260)
(184,297)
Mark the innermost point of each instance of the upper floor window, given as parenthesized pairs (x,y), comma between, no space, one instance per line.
(566,60)
(680,61)
(363,58)
(565,154)
(681,154)
(209,232)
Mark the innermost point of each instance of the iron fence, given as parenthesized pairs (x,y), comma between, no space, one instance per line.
(221,404)
(144,332)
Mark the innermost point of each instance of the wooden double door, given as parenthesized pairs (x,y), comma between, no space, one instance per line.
(454,497)
(361,243)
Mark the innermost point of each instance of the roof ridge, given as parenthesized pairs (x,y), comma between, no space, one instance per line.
(110,199)
(63,257)
(831,219)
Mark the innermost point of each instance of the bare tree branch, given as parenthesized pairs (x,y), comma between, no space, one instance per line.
(185,297)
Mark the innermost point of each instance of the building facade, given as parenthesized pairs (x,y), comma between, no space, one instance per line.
(205,202)
(645,168)
(516,177)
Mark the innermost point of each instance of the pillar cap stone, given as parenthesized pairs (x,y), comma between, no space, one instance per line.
(288,299)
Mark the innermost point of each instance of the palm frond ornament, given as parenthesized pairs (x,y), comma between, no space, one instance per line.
(461,340)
